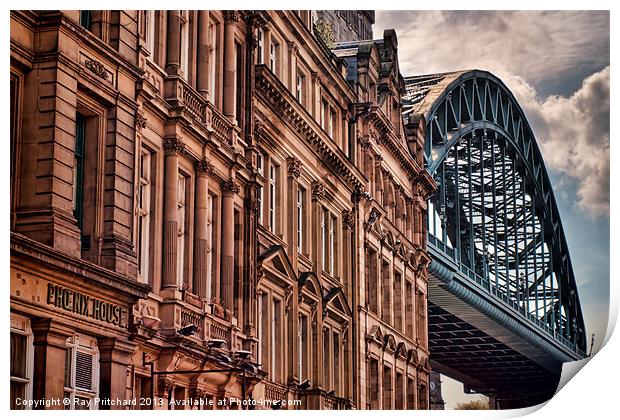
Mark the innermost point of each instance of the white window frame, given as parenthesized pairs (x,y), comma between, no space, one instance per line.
(274,50)
(144,214)
(75,344)
(20,325)
(300,219)
(300,87)
(184,17)
(323,238)
(261,46)
(332,242)
(273,188)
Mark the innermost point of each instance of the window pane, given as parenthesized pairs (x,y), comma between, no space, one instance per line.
(18,390)
(18,355)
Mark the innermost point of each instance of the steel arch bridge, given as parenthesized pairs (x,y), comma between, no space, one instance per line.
(504,311)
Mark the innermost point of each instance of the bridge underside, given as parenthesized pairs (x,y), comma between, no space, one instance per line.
(469,346)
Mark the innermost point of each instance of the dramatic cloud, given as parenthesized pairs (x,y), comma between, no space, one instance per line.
(573,135)
(545,48)
(551,61)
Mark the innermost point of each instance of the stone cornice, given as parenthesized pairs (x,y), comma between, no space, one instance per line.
(283,103)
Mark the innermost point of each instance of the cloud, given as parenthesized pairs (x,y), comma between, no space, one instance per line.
(573,135)
(540,46)
(552,62)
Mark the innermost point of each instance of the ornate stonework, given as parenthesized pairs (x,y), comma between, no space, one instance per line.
(174,145)
(318,191)
(348,219)
(97,68)
(294,167)
(230,187)
(204,167)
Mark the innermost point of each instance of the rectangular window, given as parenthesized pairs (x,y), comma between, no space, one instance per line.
(387,388)
(301,194)
(260,51)
(304,353)
(86,19)
(332,245)
(212,218)
(373,302)
(81,373)
(181,229)
(409,314)
(300,87)
(337,369)
(78,169)
(273,191)
(274,50)
(213,54)
(331,122)
(386,307)
(276,341)
(149,16)
(144,215)
(324,107)
(410,394)
(324,244)
(22,362)
(399,392)
(185,43)
(263,329)
(398,293)
(260,193)
(238,87)
(327,357)
(374,384)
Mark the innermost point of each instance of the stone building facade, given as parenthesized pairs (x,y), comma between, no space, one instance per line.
(209,206)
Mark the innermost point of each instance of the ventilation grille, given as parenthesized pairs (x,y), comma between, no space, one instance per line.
(84,371)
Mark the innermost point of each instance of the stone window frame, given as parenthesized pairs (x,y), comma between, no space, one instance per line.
(21,325)
(71,391)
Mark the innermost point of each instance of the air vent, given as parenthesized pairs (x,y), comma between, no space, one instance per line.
(84,371)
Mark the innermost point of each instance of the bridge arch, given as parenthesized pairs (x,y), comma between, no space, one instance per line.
(494,214)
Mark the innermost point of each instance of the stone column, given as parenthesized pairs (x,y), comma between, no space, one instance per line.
(292,74)
(115,355)
(173,42)
(50,347)
(173,147)
(202,54)
(231,17)
(201,241)
(229,189)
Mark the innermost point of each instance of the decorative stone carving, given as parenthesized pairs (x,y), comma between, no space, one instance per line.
(204,167)
(252,204)
(232,16)
(230,187)
(140,121)
(294,167)
(174,145)
(164,385)
(97,68)
(294,47)
(348,219)
(318,191)
(372,219)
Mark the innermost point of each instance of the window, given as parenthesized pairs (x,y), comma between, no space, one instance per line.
(323,113)
(373,303)
(263,329)
(421,307)
(238,87)
(398,294)
(373,384)
(276,340)
(299,93)
(274,51)
(387,388)
(22,361)
(149,17)
(273,191)
(85,19)
(410,394)
(261,46)
(78,169)
(331,122)
(301,194)
(181,226)
(409,309)
(324,246)
(259,191)
(337,369)
(400,403)
(386,307)
(303,350)
(213,55)
(212,201)
(332,244)
(144,215)
(184,15)
(81,373)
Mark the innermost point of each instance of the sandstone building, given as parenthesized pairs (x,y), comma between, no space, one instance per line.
(209,205)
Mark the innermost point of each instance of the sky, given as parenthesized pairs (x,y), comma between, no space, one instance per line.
(557,65)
